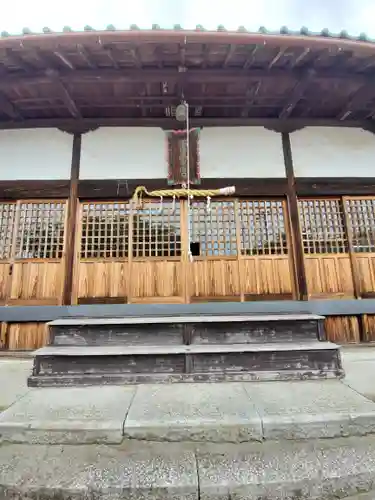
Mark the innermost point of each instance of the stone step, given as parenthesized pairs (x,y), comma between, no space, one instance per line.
(339,468)
(219,413)
(72,365)
(192,329)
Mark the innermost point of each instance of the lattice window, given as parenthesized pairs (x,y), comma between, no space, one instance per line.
(40,230)
(7,220)
(263,229)
(322,226)
(105,230)
(213,230)
(157,230)
(362,223)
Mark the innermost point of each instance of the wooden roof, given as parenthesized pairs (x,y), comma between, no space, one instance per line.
(80,80)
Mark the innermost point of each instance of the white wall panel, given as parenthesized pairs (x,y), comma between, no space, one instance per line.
(35,154)
(124,153)
(333,152)
(241,152)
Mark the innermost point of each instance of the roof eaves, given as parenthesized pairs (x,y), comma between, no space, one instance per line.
(284,30)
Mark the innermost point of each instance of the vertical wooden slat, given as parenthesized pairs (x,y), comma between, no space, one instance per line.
(299,263)
(185,264)
(237,208)
(71,225)
(353,264)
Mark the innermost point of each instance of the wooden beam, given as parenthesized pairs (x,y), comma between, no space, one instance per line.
(335,186)
(171,123)
(315,186)
(190,75)
(42,189)
(124,188)
(297,243)
(71,220)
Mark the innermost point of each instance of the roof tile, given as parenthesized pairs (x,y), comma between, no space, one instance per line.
(284,30)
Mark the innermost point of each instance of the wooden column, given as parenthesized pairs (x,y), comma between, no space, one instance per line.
(352,256)
(299,263)
(71,220)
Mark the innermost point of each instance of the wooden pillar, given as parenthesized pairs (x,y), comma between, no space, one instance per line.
(352,256)
(299,262)
(71,220)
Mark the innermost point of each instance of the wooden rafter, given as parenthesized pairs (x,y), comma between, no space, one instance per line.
(86,56)
(64,94)
(64,59)
(17,60)
(251,58)
(228,57)
(7,107)
(359,97)
(277,57)
(134,52)
(251,93)
(296,95)
(301,57)
(182,56)
(109,52)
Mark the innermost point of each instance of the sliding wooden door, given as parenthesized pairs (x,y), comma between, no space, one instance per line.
(240,251)
(326,248)
(36,263)
(128,254)
(7,224)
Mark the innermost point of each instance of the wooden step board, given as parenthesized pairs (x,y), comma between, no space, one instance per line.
(191,329)
(89,365)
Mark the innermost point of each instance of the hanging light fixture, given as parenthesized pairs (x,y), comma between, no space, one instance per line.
(182,112)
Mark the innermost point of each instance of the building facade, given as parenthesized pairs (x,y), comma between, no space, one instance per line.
(300,225)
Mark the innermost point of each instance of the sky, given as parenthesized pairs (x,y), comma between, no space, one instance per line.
(355,16)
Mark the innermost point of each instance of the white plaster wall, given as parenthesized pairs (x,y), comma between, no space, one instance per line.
(333,152)
(35,154)
(124,153)
(241,152)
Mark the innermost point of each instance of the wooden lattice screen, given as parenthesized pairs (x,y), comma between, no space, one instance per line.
(157,230)
(213,228)
(323,226)
(7,221)
(105,230)
(262,227)
(40,230)
(361,216)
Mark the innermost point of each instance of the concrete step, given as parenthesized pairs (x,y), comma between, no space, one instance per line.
(191,329)
(323,470)
(73,365)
